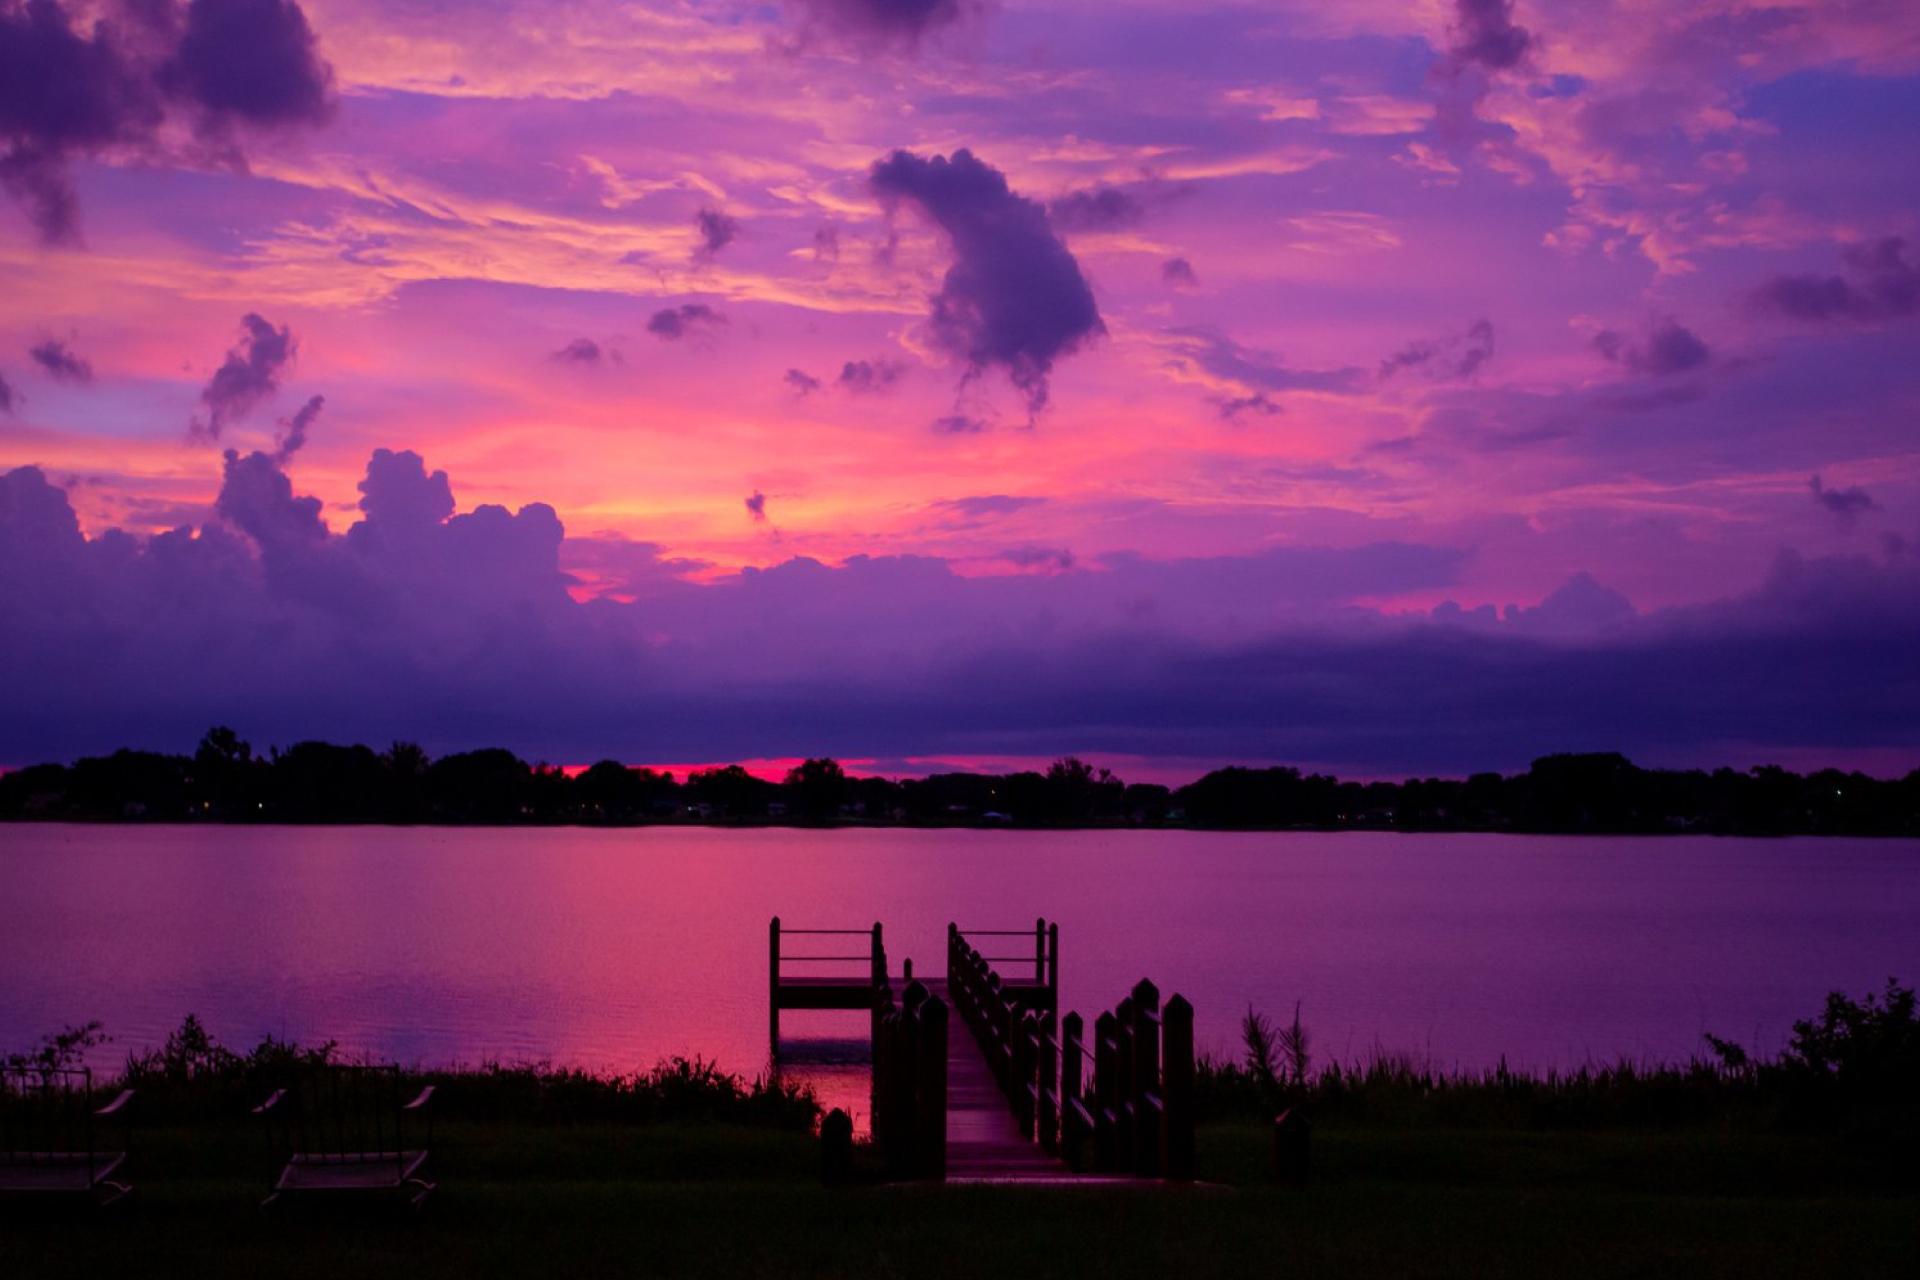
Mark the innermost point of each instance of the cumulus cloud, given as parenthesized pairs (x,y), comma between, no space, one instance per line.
(1459,356)
(61,364)
(1014,298)
(252,62)
(864,377)
(579,351)
(250,374)
(293,431)
(881,24)
(674,323)
(1844,505)
(1179,273)
(717,231)
(1485,35)
(801,383)
(757,507)
(1667,347)
(90,81)
(1882,283)
(257,498)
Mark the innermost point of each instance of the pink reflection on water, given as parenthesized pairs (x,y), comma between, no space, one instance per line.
(613,949)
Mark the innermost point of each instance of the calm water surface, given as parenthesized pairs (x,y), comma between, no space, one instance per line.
(612,949)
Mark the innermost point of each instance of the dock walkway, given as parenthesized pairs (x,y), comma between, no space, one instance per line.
(983,1143)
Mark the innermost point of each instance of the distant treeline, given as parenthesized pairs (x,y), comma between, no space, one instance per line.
(318,782)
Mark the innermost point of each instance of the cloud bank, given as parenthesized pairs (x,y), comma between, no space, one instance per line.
(456,629)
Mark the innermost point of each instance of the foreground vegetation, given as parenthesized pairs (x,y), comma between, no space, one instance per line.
(1789,1168)
(319,782)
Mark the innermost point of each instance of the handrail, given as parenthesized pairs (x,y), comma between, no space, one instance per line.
(1132,1112)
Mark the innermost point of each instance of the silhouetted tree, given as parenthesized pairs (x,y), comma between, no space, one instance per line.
(478,786)
(817,787)
(731,791)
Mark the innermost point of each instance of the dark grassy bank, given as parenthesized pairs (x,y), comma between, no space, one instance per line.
(709,1199)
(1801,1166)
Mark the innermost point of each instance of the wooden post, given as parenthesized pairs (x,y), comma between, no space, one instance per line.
(773,988)
(879,958)
(1072,1139)
(1040,951)
(836,1148)
(1053,968)
(1176,1089)
(1048,1097)
(1145,1077)
(1104,1092)
(903,1126)
(932,1094)
(1125,1088)
(1020,1076)
(1292,1136)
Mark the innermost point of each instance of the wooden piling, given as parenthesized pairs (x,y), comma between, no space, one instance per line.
(1176,1089)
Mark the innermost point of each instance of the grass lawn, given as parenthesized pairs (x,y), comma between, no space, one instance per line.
(525,1199)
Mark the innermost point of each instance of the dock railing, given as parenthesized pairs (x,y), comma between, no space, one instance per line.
(1132,1113)
(843,988)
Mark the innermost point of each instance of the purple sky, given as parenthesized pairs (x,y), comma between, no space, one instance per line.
(1385,388)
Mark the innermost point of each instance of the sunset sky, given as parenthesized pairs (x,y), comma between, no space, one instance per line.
(1383,388)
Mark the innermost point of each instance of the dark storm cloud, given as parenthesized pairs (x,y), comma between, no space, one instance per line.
(826,245)
(958,424)
(456,630)
(250,61)
(1014,298)
(78,83)
(1484,35)
(1883,284)
(864,377)
(757,507)
(293,435)
(6,396)
(1667,348)
(717,231)
(251,374)
(579,351)
(1452,357)
(61,364)
(1096,209)
(882,24)
(1179,273)
(801,383)
(674,323)
(1845,505)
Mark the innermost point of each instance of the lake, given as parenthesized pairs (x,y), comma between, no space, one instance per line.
(610,949)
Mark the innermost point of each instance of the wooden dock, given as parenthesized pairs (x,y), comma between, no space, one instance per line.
(978,1079)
